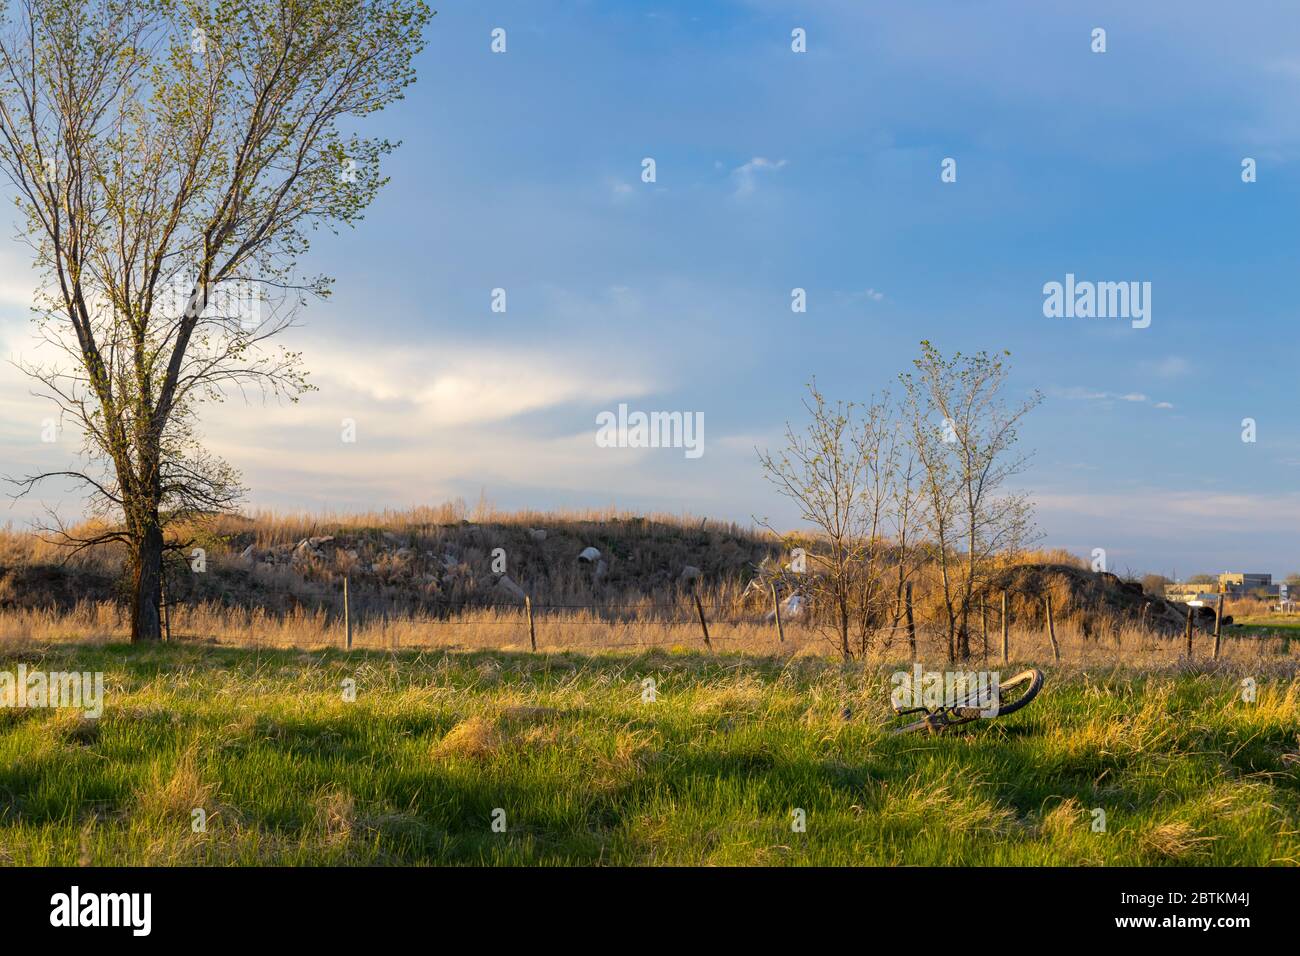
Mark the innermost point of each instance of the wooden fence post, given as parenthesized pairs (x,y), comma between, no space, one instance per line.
(1218,625)
(776,607)
(1189,632)
(704,626)
(1005,653)
(347,613)
(983,626)
(911,622)
(166,608)
(1051,632)
(532,631)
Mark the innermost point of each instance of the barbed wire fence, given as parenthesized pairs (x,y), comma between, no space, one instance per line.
(689,610)
(541,621)
(988,634)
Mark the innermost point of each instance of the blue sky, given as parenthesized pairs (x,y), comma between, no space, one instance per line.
(820,170)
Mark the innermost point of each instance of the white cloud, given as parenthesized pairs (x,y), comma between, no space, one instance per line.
(872,295)
(1155,511)
(746,176)
(17,283)
(450,387)
(1079,393)
(747,443)
(1173,366)
(426,418)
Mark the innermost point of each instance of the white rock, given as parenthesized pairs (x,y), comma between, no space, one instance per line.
(505,586)
(792,607)
(589,555)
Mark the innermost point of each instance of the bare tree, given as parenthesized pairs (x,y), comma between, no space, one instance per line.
(907,519)
(937,495)
(191,145)
(839,473)
(964,435)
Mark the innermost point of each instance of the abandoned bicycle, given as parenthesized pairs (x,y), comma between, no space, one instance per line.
(1014,693)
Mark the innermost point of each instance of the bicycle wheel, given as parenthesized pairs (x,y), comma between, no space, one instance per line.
(1013,693)
(1019,691)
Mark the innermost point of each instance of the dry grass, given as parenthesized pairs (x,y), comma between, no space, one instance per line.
(640,604)
(474,737)
(1177,841)
(173,792)
(274,528)
(335,815)
(507,630)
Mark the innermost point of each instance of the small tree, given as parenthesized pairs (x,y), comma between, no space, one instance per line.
(964,436)
(907,521)
(1155,584)
(192,145)
(840,472)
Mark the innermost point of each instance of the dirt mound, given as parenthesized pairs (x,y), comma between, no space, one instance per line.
(426,567)
(1097,599)
(623,566)
(54,586)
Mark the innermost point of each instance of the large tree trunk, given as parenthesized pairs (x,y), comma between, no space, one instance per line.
(147,585)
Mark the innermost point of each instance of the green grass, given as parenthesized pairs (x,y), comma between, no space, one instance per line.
(1283,627)
(411,772)
(1283,623)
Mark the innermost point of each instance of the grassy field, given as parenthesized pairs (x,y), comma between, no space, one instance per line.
(711,772)
(1283,627)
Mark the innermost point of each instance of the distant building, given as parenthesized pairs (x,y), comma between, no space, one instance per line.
(1232,584)
(1240,583)
(1187,593)
(1191,593)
